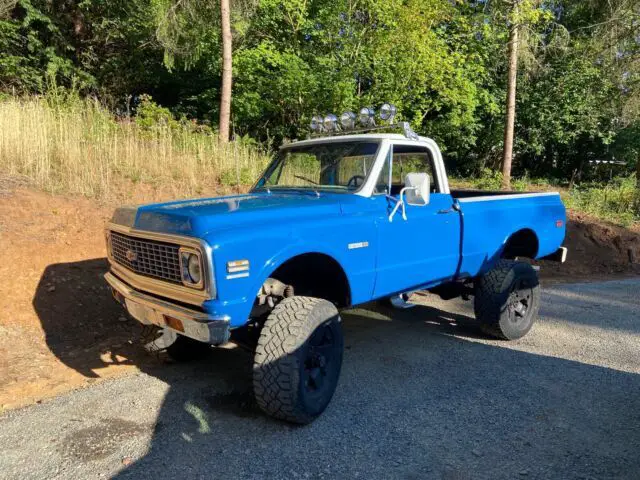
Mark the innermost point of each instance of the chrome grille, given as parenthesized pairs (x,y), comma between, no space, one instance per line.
(150,258)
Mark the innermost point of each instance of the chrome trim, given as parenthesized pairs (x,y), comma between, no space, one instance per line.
(213,329)
(237,275)
(514,196)
(159,287)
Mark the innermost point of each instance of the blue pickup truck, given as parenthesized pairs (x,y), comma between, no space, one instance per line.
(335,221)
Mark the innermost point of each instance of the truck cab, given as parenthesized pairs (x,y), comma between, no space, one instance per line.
(335,221)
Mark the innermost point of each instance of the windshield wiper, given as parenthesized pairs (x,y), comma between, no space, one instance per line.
(307,191)
(306,179)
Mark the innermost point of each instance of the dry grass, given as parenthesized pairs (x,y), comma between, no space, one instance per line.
(75,146)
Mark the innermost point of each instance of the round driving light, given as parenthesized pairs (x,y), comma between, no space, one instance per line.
(348,120)
(316,123)
(330,123)
(388,111)
(194,269)
(366,116)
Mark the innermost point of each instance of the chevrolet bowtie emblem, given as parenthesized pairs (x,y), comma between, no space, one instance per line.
(131,255)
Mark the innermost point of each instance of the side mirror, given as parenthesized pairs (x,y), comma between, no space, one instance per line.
(417,190)
(418,187)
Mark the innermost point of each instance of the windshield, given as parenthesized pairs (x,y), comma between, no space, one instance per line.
(339,166)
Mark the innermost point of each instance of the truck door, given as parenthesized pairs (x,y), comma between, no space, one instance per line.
(424,248)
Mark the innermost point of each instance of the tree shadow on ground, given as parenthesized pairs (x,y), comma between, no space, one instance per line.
(416,399)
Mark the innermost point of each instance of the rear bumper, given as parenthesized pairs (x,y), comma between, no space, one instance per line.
(149,310)
(559,255)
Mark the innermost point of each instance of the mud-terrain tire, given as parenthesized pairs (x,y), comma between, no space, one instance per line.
(507,299)
(298,359)
(159,341)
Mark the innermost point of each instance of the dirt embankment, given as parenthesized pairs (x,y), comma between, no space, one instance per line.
(597,250)
(59,327)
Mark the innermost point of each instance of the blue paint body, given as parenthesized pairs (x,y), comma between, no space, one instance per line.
(435,245)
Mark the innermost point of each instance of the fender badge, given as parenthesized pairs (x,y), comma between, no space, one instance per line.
(353,246)
(236,266)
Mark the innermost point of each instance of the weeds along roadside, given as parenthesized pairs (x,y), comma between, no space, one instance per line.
(66,144)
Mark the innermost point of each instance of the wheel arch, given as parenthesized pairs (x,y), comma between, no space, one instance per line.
(315,274)
(522,243)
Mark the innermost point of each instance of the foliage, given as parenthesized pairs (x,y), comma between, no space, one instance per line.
(618,201)
(442,62)
(34,50)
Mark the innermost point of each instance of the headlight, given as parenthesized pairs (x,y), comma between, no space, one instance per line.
(195,272)
(191,268)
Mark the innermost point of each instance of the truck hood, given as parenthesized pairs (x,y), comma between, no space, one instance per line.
(202,216)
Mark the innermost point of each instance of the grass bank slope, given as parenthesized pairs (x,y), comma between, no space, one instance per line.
(76,146)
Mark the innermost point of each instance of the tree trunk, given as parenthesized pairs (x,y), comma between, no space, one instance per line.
(225,96)
(509,126)
(638,174)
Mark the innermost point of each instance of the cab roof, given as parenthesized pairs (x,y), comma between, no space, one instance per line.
(355,137)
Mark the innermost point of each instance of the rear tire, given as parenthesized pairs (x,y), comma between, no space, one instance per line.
(298,359)
(507,300)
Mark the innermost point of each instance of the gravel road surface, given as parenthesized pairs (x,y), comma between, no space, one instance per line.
(422,395)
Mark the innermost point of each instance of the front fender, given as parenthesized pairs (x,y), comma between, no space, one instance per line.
(268,250)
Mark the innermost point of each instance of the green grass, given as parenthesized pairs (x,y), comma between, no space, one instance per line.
(617,201)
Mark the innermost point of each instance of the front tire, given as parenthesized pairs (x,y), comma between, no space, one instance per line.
(507,300)
(298,359)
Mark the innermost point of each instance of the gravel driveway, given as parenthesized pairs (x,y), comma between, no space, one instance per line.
(422,395)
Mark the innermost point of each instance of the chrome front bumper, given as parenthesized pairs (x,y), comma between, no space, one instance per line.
(150,310)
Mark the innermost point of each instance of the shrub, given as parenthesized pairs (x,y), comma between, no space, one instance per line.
(618,201)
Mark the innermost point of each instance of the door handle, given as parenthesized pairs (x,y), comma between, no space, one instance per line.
(454,208)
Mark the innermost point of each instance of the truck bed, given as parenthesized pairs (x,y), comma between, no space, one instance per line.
(491,218)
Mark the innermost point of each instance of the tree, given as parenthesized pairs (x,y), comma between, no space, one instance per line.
(185,29)
(512,76)
(227,72)
(523,16)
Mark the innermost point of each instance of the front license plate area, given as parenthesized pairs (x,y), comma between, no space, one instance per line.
(144,314)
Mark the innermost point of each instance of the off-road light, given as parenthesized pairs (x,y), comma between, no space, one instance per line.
(348,120)
(367,117)
(331,123)
(316,123)
(387,112)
